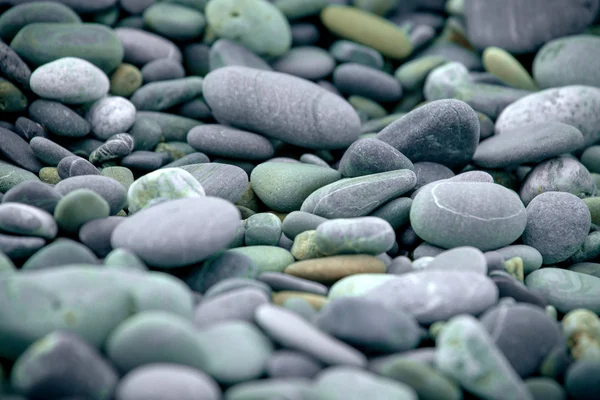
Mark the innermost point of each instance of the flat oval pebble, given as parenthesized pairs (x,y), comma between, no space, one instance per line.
(368,29)
(234,305)
(96,233)
(364,235)
(347,51)
(27,220)
(111,115)
(223,141)
(48,151)
(174,21)
(450,214)
(292,364)
(190,217)
(163,381)
(460,259)
(575,105)
(58,118)
(109,189)
(225,53)
(256,24)
(312,63)
(442,131)
(162,70)
(13,147)
(557,224)
(466,353)
(328,270)
(141,47)
(72,166)
(432,296)
(69,80)
(40,43)
(360,80)
(370,156)
(161,95)
(281,106)
(212,175)
(566,290)
(78,207)
(295,333)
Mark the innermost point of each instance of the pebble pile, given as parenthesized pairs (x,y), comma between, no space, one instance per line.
(299,200)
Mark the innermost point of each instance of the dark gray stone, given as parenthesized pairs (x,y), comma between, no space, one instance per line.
(292,364)
(234,305)
(17,150)
(34,193)
(71,166)
(361,80)
(162,69)
(96,233)
(371,156)
(48,151)
(58,119)
(109,189)
(223,141)
(224,53)
(220,180)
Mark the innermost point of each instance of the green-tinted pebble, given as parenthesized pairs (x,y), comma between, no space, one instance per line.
(249,199)
(284,186)
(174,127)
(502,64)
(175,149)
(357,285)
(11,98)
(379,7)
(60,252)
(396,212)
(121,174)
(514,267)
(11,176)
(125,80)
(6,267)
(305,246)
(49,175)
(582,330)
(174,21)
(429,383)
(364,235)
(294,9)
(123,258)
(257,24)
(262,229)
(412,74)
(283,388)
(545,389)
(40,43)
(368,29)
(369,107)
(267,258)
(78,207)
(161,95)
(593,204)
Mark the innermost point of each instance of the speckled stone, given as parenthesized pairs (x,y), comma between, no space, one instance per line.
(111,115)
(223,141)
(364,235)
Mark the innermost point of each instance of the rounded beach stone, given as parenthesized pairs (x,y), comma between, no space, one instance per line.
(543,388)
(357,197)
(40,43)
(78,207)
(141,47)
(19,248)
(502,64)
(125,80)
(82,372)
(531,257)
(539,21)
(16,149)
(233,305)
(582,330)
(297,222)
(328,270)
(33,193)
(116,147)
(163,381)
(256,24)
(304,246)
(283,282)
(262,229)
(124,259)
(158,235)
(160,186)
(557,224)
(13,67)
(371,156)
(269,389)
(364,235)
(109,189)
(26,220)
(267,258)
(574,54)
(431,296)
(151,337)
(223,141)
(111,115)
(292,364)
(566,290)
(463,342)
(96,233)
(412,74)
(574,105)
(174,127)
(71,166)
(161,95)
(524,334)
(346,51)
(228,268)
(442,131)
(69,80)
(212,176)
(529,143)
(560,174)
(460,259)
(174,21)
(293,332)
(162,70)
(29,129)
(580,380)
(20,15)
(308,62)
(284,186)
(12,99)
(47,151)
(58,118)
(367,29)
(282,107)
(361,80)
(389,330)
(225,53)
(483,215)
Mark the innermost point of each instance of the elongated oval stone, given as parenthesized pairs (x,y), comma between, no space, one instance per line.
(220,180)
(281,106)
(42,42)
(479,214)
(364,235)
(357,197)
(566,290)
(158,96)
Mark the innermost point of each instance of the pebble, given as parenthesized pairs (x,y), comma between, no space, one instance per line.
(58,119)
(27,220)
(258,25)
(110,116)
(442,131)
(295,333)
(292,364)
(47,151)
(486,224)
(460,259)
(328,270)
(125,80)
(174,21)
(96,234)
(308,62)
(78,207)
(111,190)
(262,229)
(502,64)
(212,175)
(581,328)
(156,248)
(161,95)
(162,70)
(222,141)
(364,235)
(284,282)
(140,47)
(361,80)
(13,147)
(557,224)
(72,166)
(33,193)
(233,92)
(346,51)
(269,389)
(465,352)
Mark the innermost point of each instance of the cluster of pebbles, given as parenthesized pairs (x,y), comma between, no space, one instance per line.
(299,199)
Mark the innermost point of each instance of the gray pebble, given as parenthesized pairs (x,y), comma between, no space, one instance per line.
(142,47)
(292,364)
(223,141)
(361,80)
(370,156)
(117,146)
(162,70)
(111,115)
(350,52)
(280,281)
(48,151)
(238,304)
(58,119)
(109,189)
(308,62)
(75,166)
(212,176)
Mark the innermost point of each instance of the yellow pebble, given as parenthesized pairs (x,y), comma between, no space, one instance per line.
(510,71)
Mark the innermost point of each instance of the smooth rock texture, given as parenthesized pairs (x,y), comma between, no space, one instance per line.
(363,235)
(222,141)
(450,214)
(159,235)
(281,106)
(371,156)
